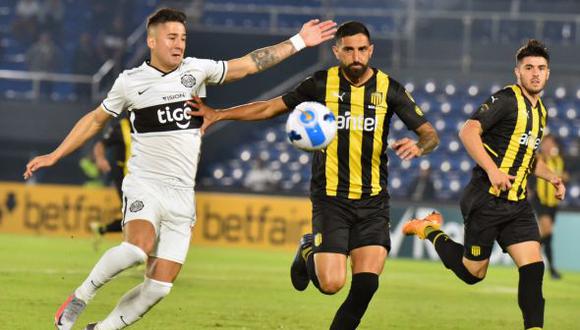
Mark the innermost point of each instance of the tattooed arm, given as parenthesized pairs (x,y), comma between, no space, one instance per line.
(311,34)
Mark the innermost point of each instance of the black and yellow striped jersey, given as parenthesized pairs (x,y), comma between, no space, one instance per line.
(545,191)
(117,138)
(354,165)
(512,132)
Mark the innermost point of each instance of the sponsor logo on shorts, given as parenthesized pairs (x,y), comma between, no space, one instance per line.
(136,206)
(476,251)
(317,239)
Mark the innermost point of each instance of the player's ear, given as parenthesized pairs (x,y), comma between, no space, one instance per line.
(371,49)
(517,73)
(335,51)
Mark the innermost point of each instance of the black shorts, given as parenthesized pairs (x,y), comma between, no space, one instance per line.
(488,218)
(340,225)
(542,209)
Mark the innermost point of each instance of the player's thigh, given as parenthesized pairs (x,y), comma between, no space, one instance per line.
(371,225)
(162,269)
(525,253)
(331,224)
(140,233)
(174,233)
(368,259)
(330,269)
(482,222)
(522,228)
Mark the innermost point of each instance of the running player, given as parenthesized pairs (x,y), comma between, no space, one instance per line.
(158,192)
(350,202)
(502,137)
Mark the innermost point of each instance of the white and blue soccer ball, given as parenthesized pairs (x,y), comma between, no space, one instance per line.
(311,126)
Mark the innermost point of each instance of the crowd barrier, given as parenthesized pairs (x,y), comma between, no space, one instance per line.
(235,220)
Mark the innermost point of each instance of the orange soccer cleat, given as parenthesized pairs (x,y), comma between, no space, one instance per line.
(418,226)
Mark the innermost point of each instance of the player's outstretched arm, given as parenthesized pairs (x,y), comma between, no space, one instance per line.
(470,136)
(259,110)
(89,125)
(312,34)
(543,171)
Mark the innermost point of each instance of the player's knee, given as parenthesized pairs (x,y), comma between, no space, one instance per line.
(154,291)
(331,286)
(146,245)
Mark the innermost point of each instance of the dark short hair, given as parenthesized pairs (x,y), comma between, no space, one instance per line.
(165,15)
(532,48)
(350,29)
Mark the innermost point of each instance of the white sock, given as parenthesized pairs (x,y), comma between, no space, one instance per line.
(135,303)
(114,261)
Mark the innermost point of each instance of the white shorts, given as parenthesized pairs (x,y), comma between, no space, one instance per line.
(169,208)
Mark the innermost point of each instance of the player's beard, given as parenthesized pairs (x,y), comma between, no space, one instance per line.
(355,70)
(533,90)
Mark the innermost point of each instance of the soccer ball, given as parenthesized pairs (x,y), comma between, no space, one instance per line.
(311,126)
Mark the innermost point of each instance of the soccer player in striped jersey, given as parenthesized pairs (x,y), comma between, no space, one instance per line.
(158,191)
(544,201)
(502,137)
(350,202)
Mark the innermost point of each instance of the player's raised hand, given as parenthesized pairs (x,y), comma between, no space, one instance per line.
(500,181)
(315,32)
(560,188)
(406,149)
(37,163)
(208,113)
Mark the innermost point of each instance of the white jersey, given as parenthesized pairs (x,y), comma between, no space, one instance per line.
(165,140)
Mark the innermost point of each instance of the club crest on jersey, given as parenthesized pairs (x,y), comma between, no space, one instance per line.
(188,80)
(136,206)
(376,98)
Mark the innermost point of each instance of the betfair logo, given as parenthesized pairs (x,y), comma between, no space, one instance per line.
(317,239)
(475,251)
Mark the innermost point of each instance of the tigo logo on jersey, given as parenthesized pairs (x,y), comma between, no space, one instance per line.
(177,115)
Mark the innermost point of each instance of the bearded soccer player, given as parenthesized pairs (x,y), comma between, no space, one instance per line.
(502,137)
(158,191)
(349,178)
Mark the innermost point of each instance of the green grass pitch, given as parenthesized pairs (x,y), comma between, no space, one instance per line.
(225,288)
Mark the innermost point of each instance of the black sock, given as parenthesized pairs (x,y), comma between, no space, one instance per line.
(530,298)
(547,243)
(451,253)
(362,289)
(113,227)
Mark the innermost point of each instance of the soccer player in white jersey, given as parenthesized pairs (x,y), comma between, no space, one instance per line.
(158,201)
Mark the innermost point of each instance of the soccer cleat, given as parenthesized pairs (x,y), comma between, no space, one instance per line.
(91,326)
(555,274)
(418,226)
(298,270)
(68,312)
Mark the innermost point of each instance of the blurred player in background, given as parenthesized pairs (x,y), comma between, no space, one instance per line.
(502,137)
(349,194)
(116,141)
(544,200)
(158,191)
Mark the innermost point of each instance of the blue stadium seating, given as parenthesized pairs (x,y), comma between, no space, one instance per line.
(451,166)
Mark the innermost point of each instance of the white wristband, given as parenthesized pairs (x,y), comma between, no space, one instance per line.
(298,42)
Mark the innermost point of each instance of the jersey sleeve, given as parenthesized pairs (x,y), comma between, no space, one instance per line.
(493,110)
(116,100)
(306,91)
(215,71)
(403,104)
